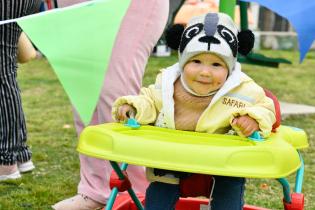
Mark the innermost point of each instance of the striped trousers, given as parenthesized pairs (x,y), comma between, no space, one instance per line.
(13,146)
(13,137)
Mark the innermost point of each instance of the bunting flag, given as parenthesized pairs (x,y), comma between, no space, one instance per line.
(78,42)
(300,14)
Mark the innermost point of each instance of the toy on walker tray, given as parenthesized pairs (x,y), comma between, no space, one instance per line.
(201,153)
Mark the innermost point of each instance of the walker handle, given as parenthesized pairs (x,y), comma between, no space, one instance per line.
(132,123)
(256,137)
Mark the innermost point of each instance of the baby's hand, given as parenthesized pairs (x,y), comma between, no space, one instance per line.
(124,112)
(245,124)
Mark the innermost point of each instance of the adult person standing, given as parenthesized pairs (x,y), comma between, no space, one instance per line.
(15,155)
(141,28)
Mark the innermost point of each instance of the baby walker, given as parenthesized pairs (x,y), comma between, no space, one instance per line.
(198,153)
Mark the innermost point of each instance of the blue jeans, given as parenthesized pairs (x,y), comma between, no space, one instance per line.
(228,193)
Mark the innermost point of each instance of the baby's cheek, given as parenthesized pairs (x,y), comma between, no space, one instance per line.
(219,84)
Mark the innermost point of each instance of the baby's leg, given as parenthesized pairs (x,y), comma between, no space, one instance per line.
(161,196)
(228,193)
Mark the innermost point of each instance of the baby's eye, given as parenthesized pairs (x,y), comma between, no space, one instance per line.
(196,61)
(217,64)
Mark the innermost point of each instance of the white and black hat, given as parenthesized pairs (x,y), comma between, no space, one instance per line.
(214,33)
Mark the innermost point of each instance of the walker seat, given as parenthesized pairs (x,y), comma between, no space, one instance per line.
(202,153)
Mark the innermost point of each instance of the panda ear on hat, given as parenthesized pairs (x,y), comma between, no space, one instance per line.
(246,41)
(173,36)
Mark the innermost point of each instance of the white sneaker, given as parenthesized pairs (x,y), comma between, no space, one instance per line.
(9,172)
(26,167)
(78,202)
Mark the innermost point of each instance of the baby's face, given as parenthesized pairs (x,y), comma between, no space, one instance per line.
(205,73)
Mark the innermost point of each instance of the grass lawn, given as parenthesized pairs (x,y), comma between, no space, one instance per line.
(53,140)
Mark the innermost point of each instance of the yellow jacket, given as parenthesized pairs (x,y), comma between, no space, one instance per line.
(239,95)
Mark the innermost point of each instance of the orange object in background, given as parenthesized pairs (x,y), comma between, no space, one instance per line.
(196,7)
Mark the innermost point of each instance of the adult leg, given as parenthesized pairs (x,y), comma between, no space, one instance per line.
(161,196)
(13,148)
(95,176)
(141,28)
(13,137)
(95,173)
(228,193)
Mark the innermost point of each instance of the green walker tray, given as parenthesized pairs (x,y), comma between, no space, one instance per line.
(195,152)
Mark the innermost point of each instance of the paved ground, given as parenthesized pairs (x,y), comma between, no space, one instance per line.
(288,109)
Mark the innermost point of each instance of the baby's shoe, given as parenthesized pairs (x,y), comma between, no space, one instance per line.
(78,202)
(26,166)
(9,172)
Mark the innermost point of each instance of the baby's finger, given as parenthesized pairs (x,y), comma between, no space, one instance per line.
(234,121)
(121,113)
(248,131)
(241,123)
(118,116)
(125,116)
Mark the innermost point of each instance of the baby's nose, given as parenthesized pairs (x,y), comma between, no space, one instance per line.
(206,71)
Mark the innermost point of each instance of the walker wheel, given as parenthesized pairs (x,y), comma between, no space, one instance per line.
(297,202)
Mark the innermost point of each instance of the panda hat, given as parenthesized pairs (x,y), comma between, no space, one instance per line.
(210,33)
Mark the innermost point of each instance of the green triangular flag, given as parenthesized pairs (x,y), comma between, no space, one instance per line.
(78,42)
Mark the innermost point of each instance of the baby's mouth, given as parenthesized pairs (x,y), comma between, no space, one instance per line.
(206,82)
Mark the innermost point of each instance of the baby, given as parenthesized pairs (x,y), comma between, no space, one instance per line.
(206,91)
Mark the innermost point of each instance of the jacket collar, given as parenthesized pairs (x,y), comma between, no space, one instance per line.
(170,75)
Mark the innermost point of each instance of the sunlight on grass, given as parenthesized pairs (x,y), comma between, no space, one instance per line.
(53,139)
